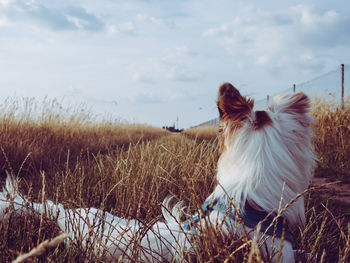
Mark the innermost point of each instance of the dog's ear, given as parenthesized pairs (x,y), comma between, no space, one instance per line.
(232,105)
(297,103)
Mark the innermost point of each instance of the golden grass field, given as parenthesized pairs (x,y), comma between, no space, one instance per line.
(129,169)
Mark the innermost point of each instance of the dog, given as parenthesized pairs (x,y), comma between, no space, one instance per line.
(266,162)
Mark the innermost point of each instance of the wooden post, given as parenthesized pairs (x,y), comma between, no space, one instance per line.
(293,88)
(342,86)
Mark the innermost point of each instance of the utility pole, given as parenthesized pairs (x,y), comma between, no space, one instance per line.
(342,86)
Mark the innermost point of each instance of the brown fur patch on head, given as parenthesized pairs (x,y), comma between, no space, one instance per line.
(262,119)
(232,105)
(233,109)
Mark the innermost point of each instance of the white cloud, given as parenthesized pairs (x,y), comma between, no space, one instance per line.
(142,74)
(145,18)
(309,19)
(222,29)
(6,2)
(171,66)
(64,18)
(128,27)
(269,40)
(262,60)
(112,30)
(178,53)
(79,23)
(4,22)
(141,21)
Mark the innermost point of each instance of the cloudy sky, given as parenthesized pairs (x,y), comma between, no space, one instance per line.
(156,61)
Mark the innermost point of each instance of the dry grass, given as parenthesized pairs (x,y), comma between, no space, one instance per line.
(129,169)
(201,132)
(332,139)
(41,248)
(52,137)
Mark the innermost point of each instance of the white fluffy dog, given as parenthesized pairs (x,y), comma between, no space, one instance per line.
(266,160)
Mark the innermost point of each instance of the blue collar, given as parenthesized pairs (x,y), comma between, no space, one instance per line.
(251,217)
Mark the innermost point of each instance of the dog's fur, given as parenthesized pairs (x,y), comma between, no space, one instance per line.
(266,160)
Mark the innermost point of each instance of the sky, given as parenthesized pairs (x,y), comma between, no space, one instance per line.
(161,62)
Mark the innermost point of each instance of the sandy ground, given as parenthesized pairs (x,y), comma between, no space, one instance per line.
(339,191)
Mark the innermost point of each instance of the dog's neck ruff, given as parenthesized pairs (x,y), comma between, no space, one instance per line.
(270,224)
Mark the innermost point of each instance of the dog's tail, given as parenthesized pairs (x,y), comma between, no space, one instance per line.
(10,186)
(11,201)
(10,198)
(173,211)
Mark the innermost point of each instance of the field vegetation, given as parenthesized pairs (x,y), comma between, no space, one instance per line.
(332,139)
(66,156)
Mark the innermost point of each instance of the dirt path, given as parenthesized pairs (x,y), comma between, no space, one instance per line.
(338,191)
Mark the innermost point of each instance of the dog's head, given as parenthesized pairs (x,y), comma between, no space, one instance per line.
(264,151)
(236,112)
